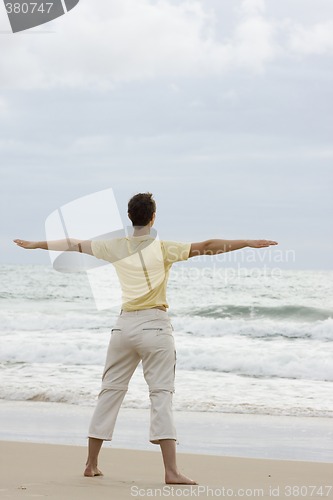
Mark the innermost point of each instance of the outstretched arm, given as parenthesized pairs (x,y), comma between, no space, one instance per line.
(213,247)
(68,245)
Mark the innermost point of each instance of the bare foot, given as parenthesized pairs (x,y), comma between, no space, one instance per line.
(92,471)
(178,478)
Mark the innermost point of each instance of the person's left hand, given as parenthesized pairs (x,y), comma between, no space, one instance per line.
(261,243)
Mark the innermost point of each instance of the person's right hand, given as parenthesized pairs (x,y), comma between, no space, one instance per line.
(26,244)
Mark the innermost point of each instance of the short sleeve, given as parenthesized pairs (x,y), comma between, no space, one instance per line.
(102,249)
(175,251)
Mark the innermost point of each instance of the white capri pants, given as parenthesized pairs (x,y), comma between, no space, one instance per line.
(145,335)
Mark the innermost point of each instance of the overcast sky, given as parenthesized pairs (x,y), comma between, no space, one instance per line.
(221,108)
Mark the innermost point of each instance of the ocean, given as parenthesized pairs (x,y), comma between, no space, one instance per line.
(256,343)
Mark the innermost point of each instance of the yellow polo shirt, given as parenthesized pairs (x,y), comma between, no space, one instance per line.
(142,264)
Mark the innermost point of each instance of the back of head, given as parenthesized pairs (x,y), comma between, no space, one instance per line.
(141,208)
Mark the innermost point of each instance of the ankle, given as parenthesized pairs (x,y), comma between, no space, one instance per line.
(91,464)
(172,471)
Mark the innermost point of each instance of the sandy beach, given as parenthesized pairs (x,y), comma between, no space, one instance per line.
(30,470)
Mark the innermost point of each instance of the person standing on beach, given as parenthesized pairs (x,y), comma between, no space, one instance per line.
(143,331)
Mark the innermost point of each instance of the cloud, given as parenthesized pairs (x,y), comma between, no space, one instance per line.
(254,43)
(141,40)
(251,7)
(136,40)
(316,39)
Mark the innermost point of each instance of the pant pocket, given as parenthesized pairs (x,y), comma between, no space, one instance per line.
(160,331)
(115,330)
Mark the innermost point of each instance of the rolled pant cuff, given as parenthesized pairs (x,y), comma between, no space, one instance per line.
(157,440)
(94,436)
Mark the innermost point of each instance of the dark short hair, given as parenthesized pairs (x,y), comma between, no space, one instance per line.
(141,209)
